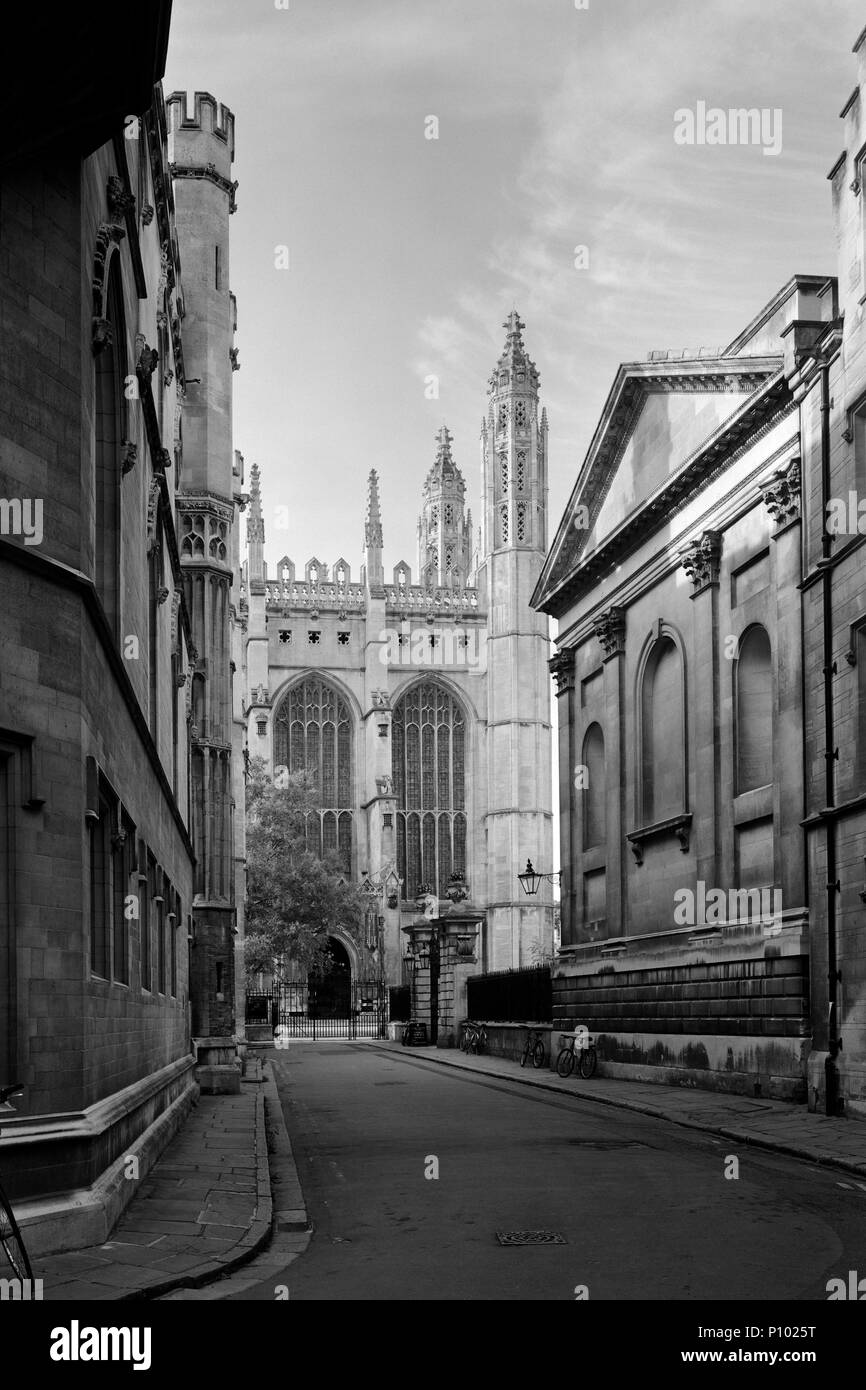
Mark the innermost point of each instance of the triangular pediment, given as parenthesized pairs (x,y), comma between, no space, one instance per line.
(657,418)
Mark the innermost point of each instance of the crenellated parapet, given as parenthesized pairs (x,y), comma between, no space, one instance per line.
(208,115)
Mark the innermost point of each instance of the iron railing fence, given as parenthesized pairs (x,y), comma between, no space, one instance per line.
(298,1012)
(512,996)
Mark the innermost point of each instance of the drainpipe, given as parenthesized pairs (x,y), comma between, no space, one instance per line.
(831,753)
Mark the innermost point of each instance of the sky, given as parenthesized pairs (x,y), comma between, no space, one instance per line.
(555,131)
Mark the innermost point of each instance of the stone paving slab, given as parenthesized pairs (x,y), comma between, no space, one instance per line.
(771,1124)
(204,1209)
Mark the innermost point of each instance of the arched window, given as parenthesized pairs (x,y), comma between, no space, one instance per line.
(428,732)
(753,678)
(662,734)
(109,427)
(313,733)
(594,794)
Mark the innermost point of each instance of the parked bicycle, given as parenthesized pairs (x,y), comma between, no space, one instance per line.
(534,1048)
(10,1237)
(474,1037)
(577,1048)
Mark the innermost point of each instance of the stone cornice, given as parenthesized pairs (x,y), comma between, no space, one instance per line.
(209,172)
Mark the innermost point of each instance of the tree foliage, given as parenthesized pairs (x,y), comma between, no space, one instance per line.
(295,900)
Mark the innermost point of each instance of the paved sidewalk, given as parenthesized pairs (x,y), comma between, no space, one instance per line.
(204,1209)
(769,1124)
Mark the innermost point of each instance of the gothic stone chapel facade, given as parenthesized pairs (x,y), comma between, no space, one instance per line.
(422,703)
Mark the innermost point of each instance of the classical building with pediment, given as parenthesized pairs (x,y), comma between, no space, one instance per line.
(712,697)
(420,700)
(678,676)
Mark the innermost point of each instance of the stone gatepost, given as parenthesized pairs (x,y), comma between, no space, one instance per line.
(443,939)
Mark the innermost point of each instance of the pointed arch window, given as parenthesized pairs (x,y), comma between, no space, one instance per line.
(662,741)
(753,677)
(503,472)
(314,733)
(521,471)
(428,731)
(520,414)
(503,525)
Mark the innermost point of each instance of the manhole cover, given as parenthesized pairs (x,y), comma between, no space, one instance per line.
(530,1238)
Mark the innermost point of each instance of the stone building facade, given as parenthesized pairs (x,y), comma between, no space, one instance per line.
(422,702)
(711,702)
(827,373)
(107,446)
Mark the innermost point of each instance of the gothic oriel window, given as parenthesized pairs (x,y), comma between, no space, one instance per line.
(110,414)
(313,734)
(428,733)
(663,790)
(754,710)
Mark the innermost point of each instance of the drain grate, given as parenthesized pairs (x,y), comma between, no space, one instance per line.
(530,1238)
(605,1144)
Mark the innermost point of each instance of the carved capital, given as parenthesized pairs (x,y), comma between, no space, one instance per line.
(781,493)
(561,667)
(701,560)
(119,201)
(610,631)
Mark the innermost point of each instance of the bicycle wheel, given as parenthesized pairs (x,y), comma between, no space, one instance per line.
(565,1062)
(588,1060)
(538,1055)
(11,1242)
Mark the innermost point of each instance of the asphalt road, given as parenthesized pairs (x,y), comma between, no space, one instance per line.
(643,1206)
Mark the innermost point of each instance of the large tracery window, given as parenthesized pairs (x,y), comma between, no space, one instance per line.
(429,762)
(313,734)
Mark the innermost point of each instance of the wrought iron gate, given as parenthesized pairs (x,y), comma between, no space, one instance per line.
(307,1011)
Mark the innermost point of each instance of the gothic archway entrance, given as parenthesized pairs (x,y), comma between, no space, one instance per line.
(329,990)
